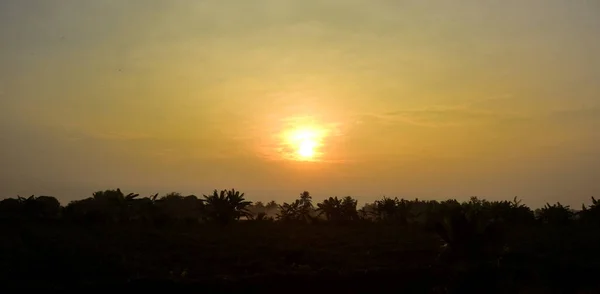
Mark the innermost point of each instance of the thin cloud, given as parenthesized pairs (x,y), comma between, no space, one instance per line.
(75,134)
(121,136)
(474,112)
(577,114)
(446,116)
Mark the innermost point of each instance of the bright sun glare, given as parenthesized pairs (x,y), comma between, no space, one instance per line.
(304,142)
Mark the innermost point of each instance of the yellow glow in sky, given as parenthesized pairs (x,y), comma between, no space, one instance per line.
(303,143)
(428,99)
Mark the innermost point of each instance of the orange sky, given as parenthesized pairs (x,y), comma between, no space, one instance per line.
(426,99)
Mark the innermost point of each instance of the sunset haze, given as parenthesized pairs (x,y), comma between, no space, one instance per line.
(427,99)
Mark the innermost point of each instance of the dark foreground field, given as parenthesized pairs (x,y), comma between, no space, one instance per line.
(287,258)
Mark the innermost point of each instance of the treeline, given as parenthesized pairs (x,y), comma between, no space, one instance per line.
(228,206)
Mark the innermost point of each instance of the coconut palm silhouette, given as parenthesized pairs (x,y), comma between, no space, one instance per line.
(474,235)
(226,206)
(338,210)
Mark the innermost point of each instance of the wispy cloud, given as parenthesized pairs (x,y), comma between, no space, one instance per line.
(589,113)
(121,136)
(76,134)
(437,116)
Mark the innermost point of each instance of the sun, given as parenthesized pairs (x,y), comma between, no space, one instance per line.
(306,139)
(303,143)
(306,149)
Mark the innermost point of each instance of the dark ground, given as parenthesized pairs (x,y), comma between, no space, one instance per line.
(285,258)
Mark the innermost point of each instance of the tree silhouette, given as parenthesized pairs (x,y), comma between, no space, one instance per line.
(472,233)
(115,204)
(512,212)
(226,206)
(305,204)
(271,205)
(11,208)
(556,214)
(331,208)
(469,240)
(299,210)
(367,212)
(42,207)
(289,211)
(176,208)
(338,210)
(591,214)
(393,210)
(86,211)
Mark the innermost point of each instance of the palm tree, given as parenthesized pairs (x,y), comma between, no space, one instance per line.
(556,214)
(393,210)
(289,211)
(272,208)
(306,205)
(257,208)
(115,204)
(591,215)
(367,212)
(511,212)
(349,210)
(226,206)
(299,210)
(338,210)
(331,208)
(272,205)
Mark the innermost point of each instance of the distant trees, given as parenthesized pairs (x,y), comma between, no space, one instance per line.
(338,210)
(40,208)
(109,206)
(555,214)
(301,210)
(172,208)
(228,206)
(260,211)
(394,210)
(591,214)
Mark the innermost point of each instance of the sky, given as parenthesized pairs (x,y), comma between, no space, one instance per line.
(403,98)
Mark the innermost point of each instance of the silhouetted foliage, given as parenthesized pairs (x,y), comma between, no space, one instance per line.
(11,208)
(289,212)
(390,234)
(338,210)
(301,210)
(470,239)
(42,207)
(591,214)
(556,214)
(226,206)
(176,208)
(394,210)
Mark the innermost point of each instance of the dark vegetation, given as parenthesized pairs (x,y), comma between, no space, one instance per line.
(222,242)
